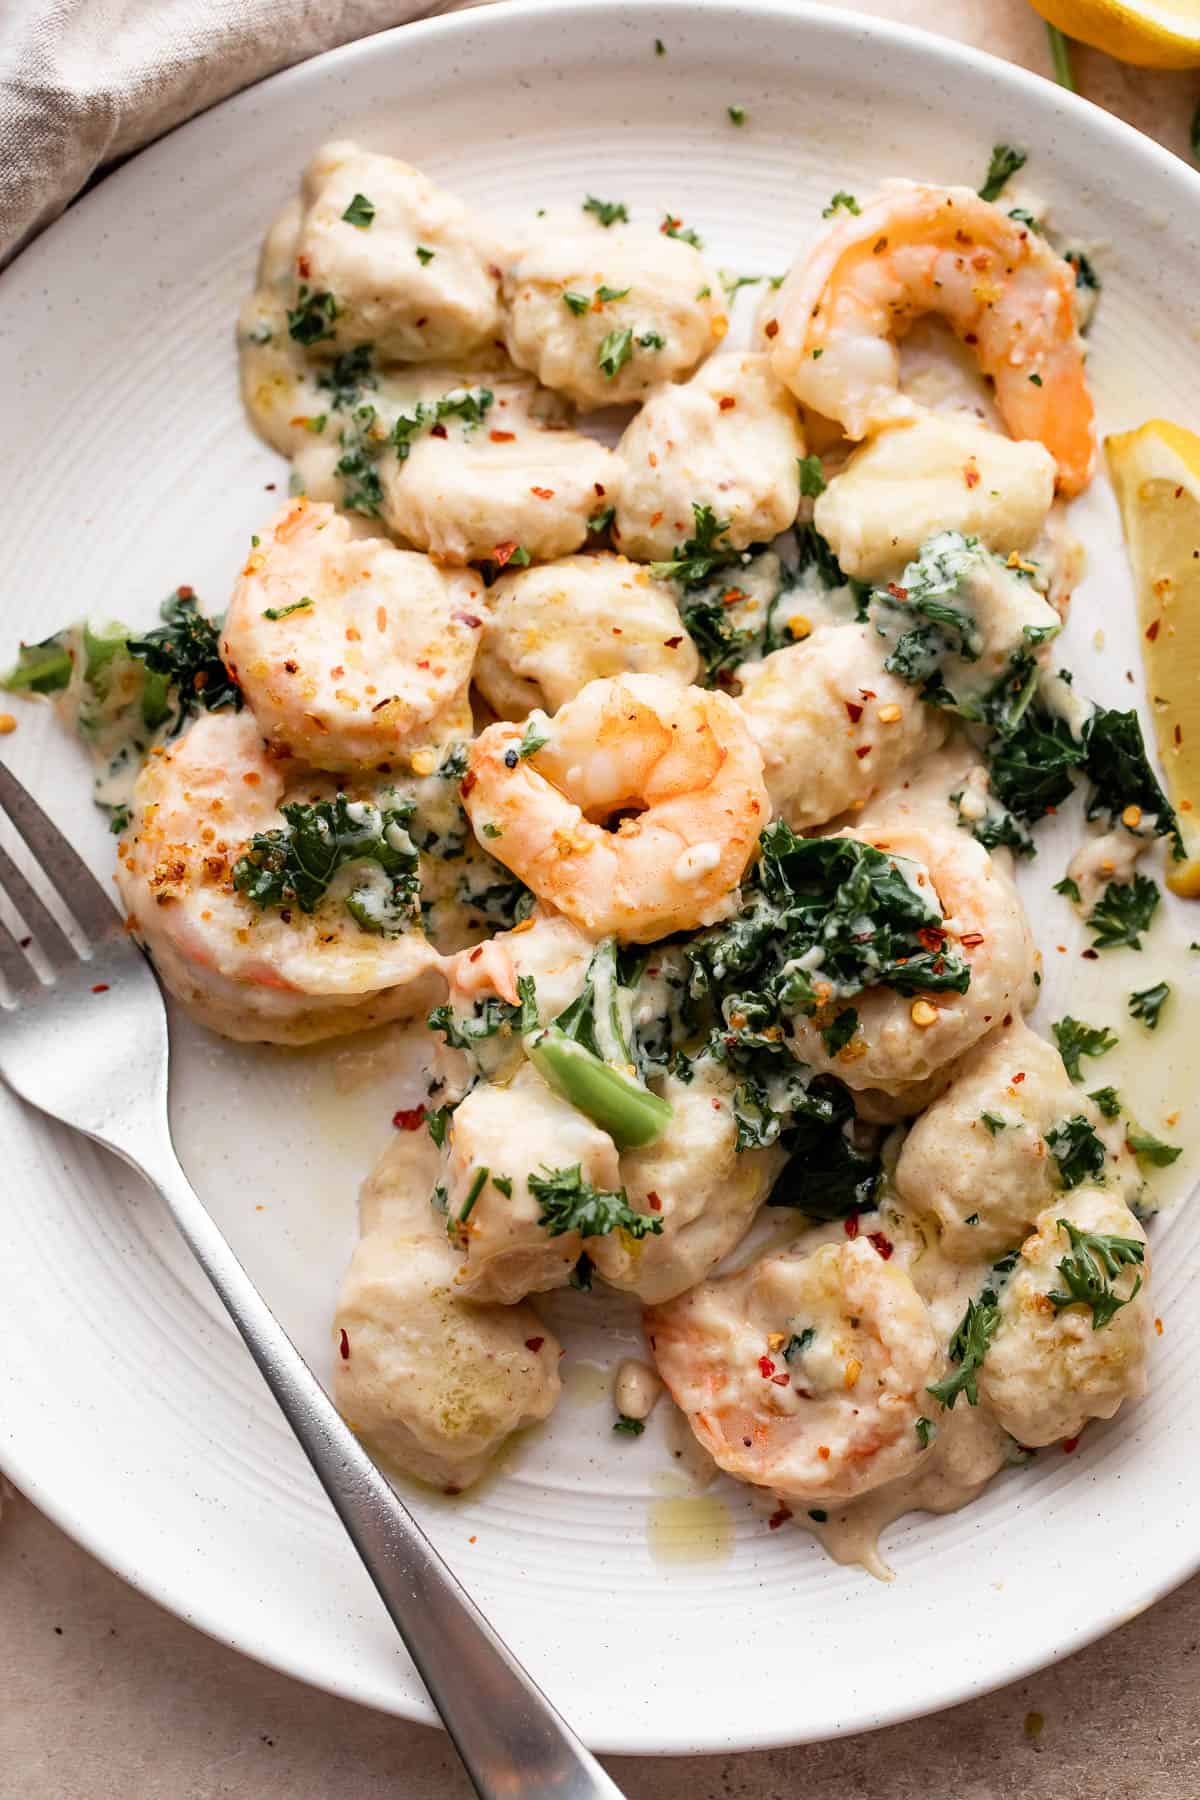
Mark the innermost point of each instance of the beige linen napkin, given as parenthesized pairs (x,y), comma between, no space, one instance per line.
(84,81)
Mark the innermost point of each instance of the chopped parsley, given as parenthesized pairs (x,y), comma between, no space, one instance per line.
(698,557)
(629,1427)
(926,1431)
(1076,1040)
(1151,1151)
(660,49)
(360,212)
(1147,1003)
(1077,1150)
(1004,163)
(841,202)
(295,866)
(675,228)
(615,351)
(576,303)
(1108,1100)
(532,741)
(737,115)
(967,1348)
(798,1343)
(471,405)
(310,321)
(1094,1261)
(569,1202)
(812,476)
(608,212)
(283,612)
(424,255)
(1069,889)
(652,340)
(1123,912)
(837,1034)
(602,518)
(993,1122)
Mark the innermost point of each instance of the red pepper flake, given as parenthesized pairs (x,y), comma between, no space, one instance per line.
(1090,955)
(931,936)
(867,693)
(599,489)
(468,782)
(779,1517)
(653,1201)
(971,940)
(467,619)
(1177,734)
(727,402)
(672,643)
(502,437)
(1018,1078)
(344,1345)
(863,750)
(543,493)
(1152,630)
(303,267)
(896,591)
(101,987)
(503,552)
(438,431)
(879,1242)
(971,473)
(771,328)
(850,1225)
(766,1367)
(1070,1445)
(823,1452)
(854,710)
(534,1344)
(409,1118)
(780,1380)
(731,596)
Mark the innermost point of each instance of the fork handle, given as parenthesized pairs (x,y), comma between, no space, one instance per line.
(512,1741)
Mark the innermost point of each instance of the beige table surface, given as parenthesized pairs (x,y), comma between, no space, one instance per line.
(105,1697)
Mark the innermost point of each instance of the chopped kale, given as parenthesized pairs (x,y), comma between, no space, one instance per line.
(1077,1150)
(295,866)
(1123,912)
(1076,1040)
(569,1202)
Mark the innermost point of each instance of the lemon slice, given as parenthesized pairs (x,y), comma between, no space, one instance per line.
(1156,472)
(1155,34)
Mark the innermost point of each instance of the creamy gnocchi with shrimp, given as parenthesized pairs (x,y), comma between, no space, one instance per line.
(668,778)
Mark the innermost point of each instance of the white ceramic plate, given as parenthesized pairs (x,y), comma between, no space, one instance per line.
(127,1408)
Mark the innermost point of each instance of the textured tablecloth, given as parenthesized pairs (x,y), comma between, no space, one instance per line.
(105,1697)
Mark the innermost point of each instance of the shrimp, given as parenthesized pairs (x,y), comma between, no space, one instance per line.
(676,764)
(803,1374)
(348,650)
(900,1040)
(998,283)
(257,973)
(431,1383)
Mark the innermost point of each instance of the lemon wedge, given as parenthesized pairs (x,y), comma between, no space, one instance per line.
(1155,34)
(1156,472)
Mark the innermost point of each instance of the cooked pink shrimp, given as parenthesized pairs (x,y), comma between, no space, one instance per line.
(676,767)
(348,649)
(278,975)
(938,250)
(803,1374)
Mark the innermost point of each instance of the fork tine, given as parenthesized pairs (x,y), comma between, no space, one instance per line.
(17,970)
(39,920)
(62,865)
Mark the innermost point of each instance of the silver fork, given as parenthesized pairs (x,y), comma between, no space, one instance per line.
(89,1047)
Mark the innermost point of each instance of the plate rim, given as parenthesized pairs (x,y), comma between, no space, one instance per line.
(119,1555)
